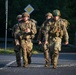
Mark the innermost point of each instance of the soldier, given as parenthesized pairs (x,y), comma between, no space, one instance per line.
(16,40)
(26,34)
(41,38)
(56,31)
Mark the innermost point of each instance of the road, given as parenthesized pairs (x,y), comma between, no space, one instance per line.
(66,65)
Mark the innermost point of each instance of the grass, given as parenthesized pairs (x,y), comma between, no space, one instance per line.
(11,51)
(37,49)
(7,51)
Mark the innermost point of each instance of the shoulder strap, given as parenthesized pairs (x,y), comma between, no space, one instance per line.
(19,25)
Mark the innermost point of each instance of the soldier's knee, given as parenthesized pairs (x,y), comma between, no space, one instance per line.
(46,50)
(56,53)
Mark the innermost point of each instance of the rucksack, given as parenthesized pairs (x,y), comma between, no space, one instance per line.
(66,23)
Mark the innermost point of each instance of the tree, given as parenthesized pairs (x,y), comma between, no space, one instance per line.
(67,8)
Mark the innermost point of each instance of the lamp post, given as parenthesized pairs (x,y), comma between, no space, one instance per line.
(6,12)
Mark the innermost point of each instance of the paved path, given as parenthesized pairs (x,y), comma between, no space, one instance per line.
(66,65)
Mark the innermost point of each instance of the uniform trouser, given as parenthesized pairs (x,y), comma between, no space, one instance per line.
(54,57)
(27,50)
(18,56)
(46,53)
(54,48)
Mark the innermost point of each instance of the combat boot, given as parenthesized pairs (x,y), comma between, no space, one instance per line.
(29,60)
(51,62)
(25,66)
(54,66)
(47,65)
(18,64)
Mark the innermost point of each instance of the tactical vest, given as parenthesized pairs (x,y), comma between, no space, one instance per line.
(44,30)
(25,26)
(57,28)
(66,23)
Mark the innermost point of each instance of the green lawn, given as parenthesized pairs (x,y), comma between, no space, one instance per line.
(7,51)
(36,49)
(11,51)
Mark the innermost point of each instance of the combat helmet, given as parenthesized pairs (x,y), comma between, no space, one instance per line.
(56,13)
(49,14)
(25,14)
(19,17)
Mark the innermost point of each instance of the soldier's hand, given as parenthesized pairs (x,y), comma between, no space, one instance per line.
(39,42)
(66,43)
(46,42)
(27,30)
(17,43)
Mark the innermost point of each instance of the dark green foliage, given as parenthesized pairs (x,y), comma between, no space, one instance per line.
(67,8)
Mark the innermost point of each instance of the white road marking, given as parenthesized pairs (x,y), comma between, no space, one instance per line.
(1,68)
(70,65)
(38,65)
(10,63)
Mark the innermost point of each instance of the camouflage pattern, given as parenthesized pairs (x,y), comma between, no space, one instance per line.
(43,31)
(56,31)
(56,13)
(18,55)
(27,46)
(17,47)
(49,14)
(66,23)
(19,17)
(25,14)
(41,37)
(15,31)
(26,40)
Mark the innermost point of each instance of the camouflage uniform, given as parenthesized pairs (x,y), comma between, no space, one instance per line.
(56,31)
(15,31)
(41,37)
(26,39)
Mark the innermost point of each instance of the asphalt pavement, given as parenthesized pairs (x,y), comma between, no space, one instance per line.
(66,65)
